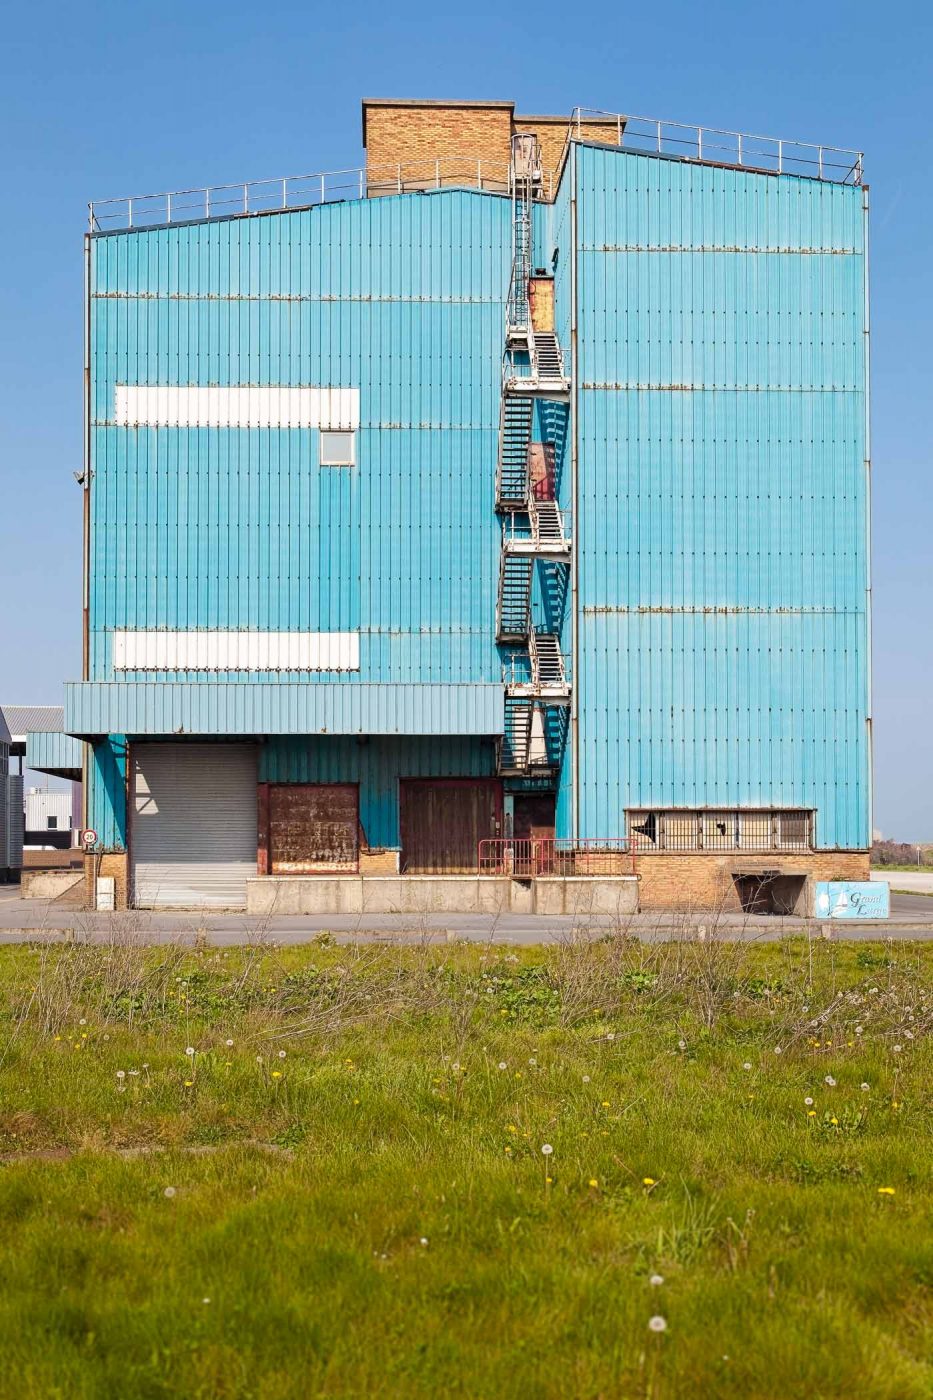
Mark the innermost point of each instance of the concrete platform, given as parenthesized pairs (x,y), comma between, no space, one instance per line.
(51,884)
(440,894)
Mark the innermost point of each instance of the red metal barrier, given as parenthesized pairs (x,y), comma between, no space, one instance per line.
(526,858)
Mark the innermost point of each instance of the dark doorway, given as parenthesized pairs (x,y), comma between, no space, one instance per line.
(534,816)
(770,892)
(443,821)
(313,828)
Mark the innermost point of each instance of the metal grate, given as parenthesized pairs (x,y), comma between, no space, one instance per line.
(737,830)
(529,857)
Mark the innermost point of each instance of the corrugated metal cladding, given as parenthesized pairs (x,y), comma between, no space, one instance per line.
(168,708)
(105,797)
(239,527)
(376,765)
(54,753)
(722,528)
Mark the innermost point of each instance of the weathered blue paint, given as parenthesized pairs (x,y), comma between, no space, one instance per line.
(720,535)
(55,753)
(105,798)
(216,708)
(401,298)
(376,765)
(722,513)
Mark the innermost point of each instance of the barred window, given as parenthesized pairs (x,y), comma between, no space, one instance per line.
(739,830)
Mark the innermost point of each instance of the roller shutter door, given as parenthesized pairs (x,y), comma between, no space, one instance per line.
(193,825)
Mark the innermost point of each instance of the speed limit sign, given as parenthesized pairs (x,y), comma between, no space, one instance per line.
(89,838)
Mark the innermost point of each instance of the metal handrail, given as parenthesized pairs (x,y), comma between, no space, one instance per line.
(718,146)
(300,192)
(533,857)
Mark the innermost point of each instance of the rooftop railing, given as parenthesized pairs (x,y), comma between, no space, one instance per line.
(648,134)
(715,146)
(300,192)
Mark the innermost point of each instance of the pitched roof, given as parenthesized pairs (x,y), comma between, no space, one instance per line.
(32,719)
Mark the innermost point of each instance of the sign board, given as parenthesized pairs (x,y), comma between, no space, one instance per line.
(851,899)
(89,837)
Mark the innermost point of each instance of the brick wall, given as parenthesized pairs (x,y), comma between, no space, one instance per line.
(417,137)
(705,881)
(115,865)
(428,140)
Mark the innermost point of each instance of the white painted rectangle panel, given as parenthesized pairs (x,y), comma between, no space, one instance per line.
(236,651)
(236,406)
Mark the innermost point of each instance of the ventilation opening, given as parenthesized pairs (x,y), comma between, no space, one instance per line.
(771,893)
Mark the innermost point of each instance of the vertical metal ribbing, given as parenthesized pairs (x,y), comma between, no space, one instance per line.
(86,511)
(575,513)
(868,580)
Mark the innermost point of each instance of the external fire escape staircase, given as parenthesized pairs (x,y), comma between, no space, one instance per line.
(535,540)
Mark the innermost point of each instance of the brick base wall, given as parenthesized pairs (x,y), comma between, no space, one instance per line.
(705,881)
(115,865)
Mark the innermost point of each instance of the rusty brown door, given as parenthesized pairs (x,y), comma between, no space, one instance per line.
(444,820)
(313,828)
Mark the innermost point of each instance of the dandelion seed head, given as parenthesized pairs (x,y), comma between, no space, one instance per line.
(808,1101)
(121,1073)
(865,1088)
(656,1280)
(229,1044)
(657,1324)
(747,1064)
(169,1192)
(502,1064)
(190,1050)
(282,1054)
(830,1081)
(547,1149)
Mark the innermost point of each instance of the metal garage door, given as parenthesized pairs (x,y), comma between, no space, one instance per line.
(193,825)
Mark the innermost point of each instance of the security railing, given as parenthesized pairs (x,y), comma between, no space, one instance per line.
(716,146)
(301,192)
(529,858)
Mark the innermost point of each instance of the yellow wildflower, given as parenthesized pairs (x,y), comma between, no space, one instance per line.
(885,1190)
(593,1181)
(648,1181)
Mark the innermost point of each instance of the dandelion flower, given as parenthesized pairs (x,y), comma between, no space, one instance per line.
(594,1181)
(549,1181)
(808,1101)
(277,1074)
(865,1088)
(169,1192)
(189,1083)
(281,1054)
(657,1324)
(229,1044)
(648,1181)
(586,1079)
(190,1050)
(830,1081)
(835,1122)
(508,1151)
(83,1021)
(423,1241)
(547,1149)
(811,1113)
(656,1280)
(747,1064)
(502,1064)
(885,1190)
(605,1103)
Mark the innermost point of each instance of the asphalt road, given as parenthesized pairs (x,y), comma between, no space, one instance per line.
(22,920)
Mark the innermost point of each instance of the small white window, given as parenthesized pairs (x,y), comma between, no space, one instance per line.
(338,449)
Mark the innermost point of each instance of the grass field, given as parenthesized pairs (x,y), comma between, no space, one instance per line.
(688,1170)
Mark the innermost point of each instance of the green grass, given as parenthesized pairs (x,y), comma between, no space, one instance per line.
(370,1213)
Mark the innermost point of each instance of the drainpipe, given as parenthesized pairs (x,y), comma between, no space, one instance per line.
(868,582)
(575,514)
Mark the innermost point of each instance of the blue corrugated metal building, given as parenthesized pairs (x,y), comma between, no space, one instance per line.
(462,513)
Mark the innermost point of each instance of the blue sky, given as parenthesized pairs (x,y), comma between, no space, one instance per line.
(115,99)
